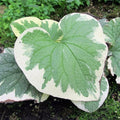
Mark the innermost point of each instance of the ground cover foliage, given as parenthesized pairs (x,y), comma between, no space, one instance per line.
(68,112)
(50,9)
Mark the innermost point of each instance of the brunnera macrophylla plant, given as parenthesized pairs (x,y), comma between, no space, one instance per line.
(63,59)
(56,61)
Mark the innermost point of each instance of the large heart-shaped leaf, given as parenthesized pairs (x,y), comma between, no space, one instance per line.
(112,32)
(64,59)
(13,84)
(92,106)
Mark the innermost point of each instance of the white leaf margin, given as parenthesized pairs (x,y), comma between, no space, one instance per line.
(19,52)
(19,21)
(81,104)
(109,60)
(11,97)
(110,68)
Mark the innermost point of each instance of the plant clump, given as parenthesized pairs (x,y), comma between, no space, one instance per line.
(64,59)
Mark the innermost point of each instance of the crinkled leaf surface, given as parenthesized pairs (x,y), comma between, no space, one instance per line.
(13,84)
(92,106)
(64,59)
(112,32)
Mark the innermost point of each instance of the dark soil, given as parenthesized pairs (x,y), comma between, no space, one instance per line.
(52,109)
(1,49)
(107,10)
(97,10)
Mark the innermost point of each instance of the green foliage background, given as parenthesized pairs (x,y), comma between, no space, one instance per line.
(39,8)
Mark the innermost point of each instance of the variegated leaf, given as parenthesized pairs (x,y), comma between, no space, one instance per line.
(112,32)
(66,58)
(13,84)
(20,25)
(92,106)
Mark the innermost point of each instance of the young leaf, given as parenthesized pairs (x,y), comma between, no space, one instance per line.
(20,25)
(92,106)
(112,32)
(13,84)
(64,59)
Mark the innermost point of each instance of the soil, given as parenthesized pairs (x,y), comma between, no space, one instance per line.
(97,10)
(52,109)
(107,11)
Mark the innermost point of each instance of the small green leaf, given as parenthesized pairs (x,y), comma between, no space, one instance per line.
(13,84)
(92,106)
(112,32)
(78,2)
(66,59)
